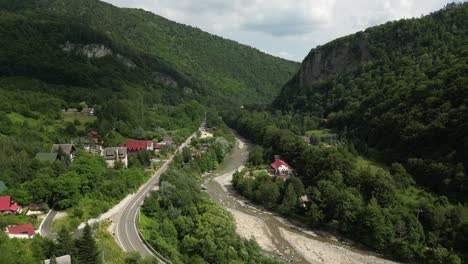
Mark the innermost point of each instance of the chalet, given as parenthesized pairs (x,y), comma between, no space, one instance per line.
(90,145)
(281,168)
(8,207)
(68,150)
(138,145)
(87,111)
(65,259)
(115,154)
(21,231)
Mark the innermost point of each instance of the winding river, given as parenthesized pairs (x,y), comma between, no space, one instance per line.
(277,236)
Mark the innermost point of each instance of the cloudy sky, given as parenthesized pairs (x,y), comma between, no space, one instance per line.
(285,28)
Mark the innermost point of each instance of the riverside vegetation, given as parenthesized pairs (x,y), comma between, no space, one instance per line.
(396,94)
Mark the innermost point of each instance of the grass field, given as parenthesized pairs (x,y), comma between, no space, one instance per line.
(318,132)
(19,119)
(374,166)
(70,117)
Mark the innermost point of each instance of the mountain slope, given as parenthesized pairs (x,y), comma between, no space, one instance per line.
(217,69)
(400,91)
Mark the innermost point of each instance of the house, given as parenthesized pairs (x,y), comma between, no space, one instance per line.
(281,168)
(72,110)
(205,147)
(90,146)
(138,145)
(168,140)
(94,135)
(158,147)
(196,154)
(34,209)
(6,206)
(306,139)
(68,150)
(115,154)
(304,201)
(21,231)
(49,157)
(66,259)
(87,111)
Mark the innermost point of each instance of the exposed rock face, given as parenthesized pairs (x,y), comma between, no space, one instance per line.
(91,51)
(338,56)
(165,80)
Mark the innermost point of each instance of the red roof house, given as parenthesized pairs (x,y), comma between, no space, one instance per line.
(21,231)
(138,145)
(6,206)
(281,167)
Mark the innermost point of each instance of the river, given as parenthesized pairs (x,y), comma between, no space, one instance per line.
(277,236)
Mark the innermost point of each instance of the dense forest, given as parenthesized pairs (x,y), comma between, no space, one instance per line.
(399,91)
(137,50)
(380,207)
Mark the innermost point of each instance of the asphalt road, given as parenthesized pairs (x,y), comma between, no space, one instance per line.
(126,233)
(45,228)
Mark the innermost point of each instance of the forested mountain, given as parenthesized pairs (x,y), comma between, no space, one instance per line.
(399,91)
(186,61)
(143,74)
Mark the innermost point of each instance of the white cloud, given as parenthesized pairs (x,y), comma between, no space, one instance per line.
(286,28)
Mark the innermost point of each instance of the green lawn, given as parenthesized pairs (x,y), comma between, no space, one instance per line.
(70,117)
(19,119)
(374,166)
(318,132)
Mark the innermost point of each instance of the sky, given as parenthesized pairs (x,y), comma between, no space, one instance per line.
(284,28)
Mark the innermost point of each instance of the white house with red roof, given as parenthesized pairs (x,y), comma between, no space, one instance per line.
(281,167)
(21,231)
(138,145)
(6,206)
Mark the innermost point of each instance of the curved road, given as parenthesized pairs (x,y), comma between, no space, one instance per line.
(126,231)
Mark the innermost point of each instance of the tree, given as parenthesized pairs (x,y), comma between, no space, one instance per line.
(256,156)
(289,203)
(268,194)
(65,243)
(87,248)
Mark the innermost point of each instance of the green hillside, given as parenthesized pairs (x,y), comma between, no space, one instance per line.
(400,91)
(207,67)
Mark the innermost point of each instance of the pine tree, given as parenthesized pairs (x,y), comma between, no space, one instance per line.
(66,245)
(87,248)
